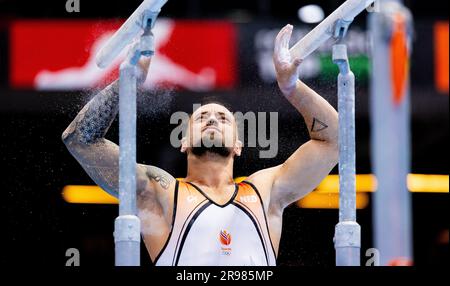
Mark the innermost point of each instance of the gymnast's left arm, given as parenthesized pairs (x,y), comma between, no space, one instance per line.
(315,159)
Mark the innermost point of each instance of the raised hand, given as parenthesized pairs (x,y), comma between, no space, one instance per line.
(287,69)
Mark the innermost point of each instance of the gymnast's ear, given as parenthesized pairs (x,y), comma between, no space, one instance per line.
(184,144)
(237,149)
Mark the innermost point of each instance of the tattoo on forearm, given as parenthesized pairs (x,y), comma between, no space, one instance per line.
(318,125)
(96,117)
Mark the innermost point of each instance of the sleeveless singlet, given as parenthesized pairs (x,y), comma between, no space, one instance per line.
(207,234)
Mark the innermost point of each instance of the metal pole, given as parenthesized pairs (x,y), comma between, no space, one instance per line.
(139,24)
(127,225)
(347,237)
(347,232)
(390,139)
(330,27)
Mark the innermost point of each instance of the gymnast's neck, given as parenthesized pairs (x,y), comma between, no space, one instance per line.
(211,170)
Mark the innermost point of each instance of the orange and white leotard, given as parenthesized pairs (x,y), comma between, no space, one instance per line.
(205,233)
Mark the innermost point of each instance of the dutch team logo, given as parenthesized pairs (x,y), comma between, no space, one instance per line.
(225,238)
(225,241)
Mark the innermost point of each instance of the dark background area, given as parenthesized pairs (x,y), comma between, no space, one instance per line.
(273,9)
(40,226)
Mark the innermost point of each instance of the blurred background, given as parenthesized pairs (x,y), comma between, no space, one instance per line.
(206,50)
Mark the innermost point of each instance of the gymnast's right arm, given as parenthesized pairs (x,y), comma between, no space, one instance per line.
(99,157)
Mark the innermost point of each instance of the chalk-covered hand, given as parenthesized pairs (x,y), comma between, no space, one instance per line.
(287,69)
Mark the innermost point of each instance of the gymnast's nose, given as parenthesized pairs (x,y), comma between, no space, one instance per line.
(212,121)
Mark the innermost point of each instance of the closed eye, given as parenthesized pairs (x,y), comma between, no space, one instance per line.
(202,116)
(223,117)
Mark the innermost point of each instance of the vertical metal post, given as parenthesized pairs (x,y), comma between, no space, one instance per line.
(390,137)
(347,237)
(127,225)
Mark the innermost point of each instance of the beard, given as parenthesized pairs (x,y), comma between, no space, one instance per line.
(201,150)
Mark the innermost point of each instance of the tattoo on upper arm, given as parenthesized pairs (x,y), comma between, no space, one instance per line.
(318,125)
(160,176)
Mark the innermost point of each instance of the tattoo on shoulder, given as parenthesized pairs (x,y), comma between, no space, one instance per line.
(318,125)
(160,176)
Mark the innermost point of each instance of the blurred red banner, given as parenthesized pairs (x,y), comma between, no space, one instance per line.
(60,55)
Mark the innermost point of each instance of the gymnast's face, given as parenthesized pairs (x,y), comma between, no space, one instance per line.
(212,127)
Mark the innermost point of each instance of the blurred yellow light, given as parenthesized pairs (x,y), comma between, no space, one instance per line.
(418,183)
(78,194)
(364,183)
(322,200)
(326,194)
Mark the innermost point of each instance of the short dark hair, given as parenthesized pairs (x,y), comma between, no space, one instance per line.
(216,100)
